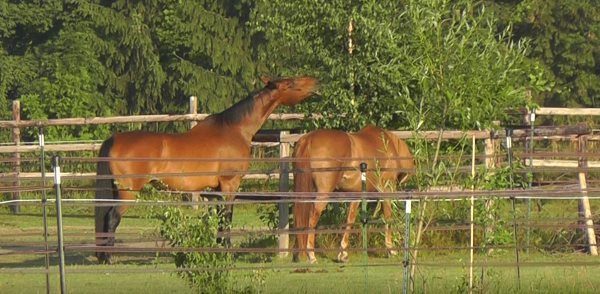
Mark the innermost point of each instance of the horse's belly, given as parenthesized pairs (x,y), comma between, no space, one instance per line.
(191,183)
(191,176)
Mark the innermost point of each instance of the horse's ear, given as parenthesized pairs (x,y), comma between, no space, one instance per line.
(265,80)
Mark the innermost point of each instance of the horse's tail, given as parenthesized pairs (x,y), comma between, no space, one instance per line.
(302,183)
(105,189)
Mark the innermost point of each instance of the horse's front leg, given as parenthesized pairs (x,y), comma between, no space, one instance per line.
(225,213)
(228,189)
(343,255)
(387,214)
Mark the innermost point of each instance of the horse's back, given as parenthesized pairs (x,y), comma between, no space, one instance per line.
(137,144)
(323,149)
(392,153)
(385,142)
(322,144)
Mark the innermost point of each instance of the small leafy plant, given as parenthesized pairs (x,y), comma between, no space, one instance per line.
(202,264)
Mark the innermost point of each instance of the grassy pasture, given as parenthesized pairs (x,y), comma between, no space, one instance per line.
(281,276)
(440,272)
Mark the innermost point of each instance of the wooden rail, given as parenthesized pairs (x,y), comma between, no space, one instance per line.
(284,140)
(568,111)
(11,124)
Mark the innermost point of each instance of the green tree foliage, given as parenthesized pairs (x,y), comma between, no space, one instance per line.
(23,26)
(98,58)
(565,39)
(423,64)
(161,52)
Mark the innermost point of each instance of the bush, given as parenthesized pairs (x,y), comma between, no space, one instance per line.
(206,271)
(203,266)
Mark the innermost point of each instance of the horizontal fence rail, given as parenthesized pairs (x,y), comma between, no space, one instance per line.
(568,185)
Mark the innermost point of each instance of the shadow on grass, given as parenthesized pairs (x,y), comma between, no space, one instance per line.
(82,259)
(67,214)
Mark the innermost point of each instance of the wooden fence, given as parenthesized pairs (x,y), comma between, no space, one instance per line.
(582,133)
(284,139)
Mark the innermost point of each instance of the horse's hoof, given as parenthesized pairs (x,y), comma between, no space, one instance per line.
(104,258)
(342,257)
(392,253)
(312,260)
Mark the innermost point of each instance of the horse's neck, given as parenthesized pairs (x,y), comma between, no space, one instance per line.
(254,120)
(246,123)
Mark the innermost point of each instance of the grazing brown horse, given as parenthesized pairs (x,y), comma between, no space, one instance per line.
(339,154)
(220,136)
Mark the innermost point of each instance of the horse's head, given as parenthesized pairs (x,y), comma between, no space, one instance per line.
(291,91)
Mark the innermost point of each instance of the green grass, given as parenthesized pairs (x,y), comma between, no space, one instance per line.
(443,273)
(282,276)
(104,279)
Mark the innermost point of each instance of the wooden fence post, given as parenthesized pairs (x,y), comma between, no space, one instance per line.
(490,163)
(16,113)
(490,151)
(471,216)
(585,211)
(284,205)
(194,110)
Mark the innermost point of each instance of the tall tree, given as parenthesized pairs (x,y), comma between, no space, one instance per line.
(422,64)
(46,61)
(565,39)
(23,26)
(160,52)
(87,58)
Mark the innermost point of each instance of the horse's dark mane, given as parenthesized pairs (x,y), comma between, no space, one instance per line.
(239,110)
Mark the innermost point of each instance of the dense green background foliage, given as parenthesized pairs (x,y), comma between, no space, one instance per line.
(415,64)
(100,58)
(565,40)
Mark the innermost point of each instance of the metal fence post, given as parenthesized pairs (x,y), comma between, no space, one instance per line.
(364,218)
(406,262)
(509,133)
(59,224)
(530,150)
(41,141)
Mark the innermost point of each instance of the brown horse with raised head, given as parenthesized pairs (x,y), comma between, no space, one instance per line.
(328,160)
(226,135)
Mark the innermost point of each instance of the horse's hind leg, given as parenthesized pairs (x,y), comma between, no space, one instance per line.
(300,212)
(102,236)
(315,214)
(343,255)
(111,222)
(387,214)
